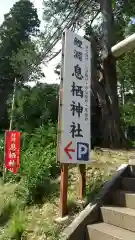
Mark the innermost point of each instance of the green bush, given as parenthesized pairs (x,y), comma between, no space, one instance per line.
(38,166)
(39,171)
(17,225)
(41,137)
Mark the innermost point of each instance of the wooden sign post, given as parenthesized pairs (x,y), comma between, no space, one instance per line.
(74,112)
(63,190)
(82,181)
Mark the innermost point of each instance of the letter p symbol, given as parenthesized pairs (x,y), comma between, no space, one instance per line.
(82,151)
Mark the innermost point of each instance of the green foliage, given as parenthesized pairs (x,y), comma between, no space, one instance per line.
(38,174)
(95,183)
(24,63)
(20,24)
(7,211)
(35,107)
(38,165)
(123,12)
(17,225)
(57,12)
(126,72)
(9,208)
(22,14)
(126,86)
(128,114)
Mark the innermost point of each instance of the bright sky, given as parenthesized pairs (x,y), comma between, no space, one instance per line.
(51,77)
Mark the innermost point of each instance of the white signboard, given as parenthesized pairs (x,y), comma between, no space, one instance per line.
(75,115)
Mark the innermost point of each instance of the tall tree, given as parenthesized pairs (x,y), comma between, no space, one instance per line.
(112,18)
(108,98)
(19,25)
(24,63)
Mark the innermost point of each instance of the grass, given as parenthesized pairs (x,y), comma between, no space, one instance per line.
(38,221)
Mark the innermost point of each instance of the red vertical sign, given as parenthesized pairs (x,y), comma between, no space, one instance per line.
(12,151)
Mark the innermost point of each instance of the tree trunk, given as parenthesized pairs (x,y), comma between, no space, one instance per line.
(106,88)
(113,135)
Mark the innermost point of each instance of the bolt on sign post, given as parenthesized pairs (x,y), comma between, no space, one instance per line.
(12,151)
(74,110)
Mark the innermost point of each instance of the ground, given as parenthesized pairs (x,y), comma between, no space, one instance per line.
(38,222)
